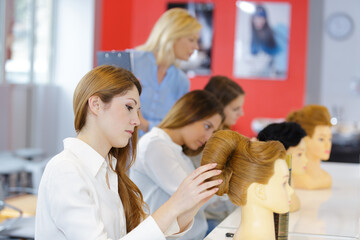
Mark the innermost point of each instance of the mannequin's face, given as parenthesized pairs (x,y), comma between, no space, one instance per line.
(234,110)
(299,159)
(277,190)
(319,145)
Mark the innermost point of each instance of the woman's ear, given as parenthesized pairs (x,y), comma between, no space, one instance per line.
(94,103)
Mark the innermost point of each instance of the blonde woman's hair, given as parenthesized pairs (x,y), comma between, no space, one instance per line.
(172,25)
(192,107)
(309,117)
(242,162)
(106,82)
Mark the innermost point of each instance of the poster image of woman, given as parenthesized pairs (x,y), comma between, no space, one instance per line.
(261,45)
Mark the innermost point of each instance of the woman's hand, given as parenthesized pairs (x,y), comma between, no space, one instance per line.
(192,193)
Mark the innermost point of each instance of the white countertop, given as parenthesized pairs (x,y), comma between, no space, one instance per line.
(324,214)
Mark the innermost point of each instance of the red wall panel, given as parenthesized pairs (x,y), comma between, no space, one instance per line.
(264,98)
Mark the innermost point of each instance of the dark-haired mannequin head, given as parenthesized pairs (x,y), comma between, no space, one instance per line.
(255,176)
(315,120)
(292,136)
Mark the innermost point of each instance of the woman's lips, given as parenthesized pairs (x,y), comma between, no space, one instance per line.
(129,131)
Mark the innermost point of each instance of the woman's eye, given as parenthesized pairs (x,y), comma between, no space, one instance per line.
(321,139)
(207,126)
(299,154)
(129,107)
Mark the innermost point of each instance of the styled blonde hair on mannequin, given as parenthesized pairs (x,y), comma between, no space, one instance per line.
(172,25)
(309,117)
(242,162)
(106,82)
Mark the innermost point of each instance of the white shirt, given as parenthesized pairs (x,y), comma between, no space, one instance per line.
(159,169)
(74,201)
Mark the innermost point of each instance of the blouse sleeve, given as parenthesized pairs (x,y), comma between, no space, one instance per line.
(162,166)
(147,229)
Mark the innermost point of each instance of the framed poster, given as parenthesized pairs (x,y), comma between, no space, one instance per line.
(261,48)
(200,61)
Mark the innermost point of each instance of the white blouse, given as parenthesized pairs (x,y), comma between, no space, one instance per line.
(159,169)
(75,202)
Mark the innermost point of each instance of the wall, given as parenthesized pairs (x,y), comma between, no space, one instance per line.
(15,116)
(273,99)
(74,48)
(340,63)
(332,64)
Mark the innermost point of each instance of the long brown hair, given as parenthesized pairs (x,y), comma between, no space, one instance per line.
(242,162)
(106,82)
(309,117)
(192,107)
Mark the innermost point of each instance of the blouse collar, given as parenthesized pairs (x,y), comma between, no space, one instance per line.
(88,157)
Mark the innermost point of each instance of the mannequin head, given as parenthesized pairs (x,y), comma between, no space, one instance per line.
(253,172)
(315,120)
(299,159)
(292,136)
(276,194)
(319,145)
(231,96)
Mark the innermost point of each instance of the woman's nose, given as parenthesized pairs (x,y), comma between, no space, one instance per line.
(135,120)
(196,47)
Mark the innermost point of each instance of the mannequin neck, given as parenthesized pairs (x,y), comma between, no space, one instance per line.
(257,223)
(313,165)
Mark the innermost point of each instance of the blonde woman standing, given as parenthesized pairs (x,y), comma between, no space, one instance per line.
(174,37)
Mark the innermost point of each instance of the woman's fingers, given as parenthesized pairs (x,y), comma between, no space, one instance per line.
(195,190)
(207,185)
(201,170)
(207,194)
(206,175)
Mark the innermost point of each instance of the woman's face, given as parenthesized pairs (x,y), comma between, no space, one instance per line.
(319,145)
(259,22)
(299,159)
(185,46)
(277,190)
(198,133)
(234,110)
(118,119)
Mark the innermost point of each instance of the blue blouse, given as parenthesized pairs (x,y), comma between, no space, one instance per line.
(157,99)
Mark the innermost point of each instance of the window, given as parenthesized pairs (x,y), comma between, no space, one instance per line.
(26,38)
